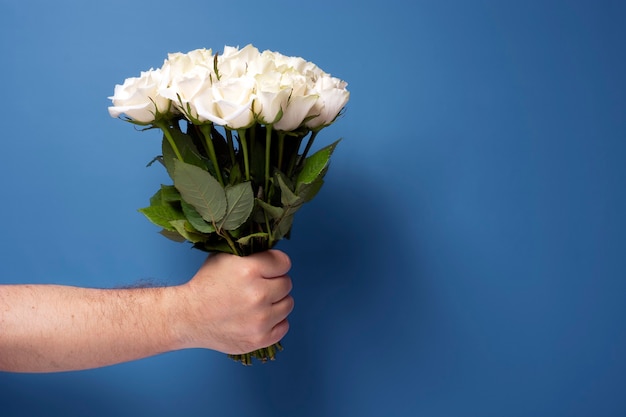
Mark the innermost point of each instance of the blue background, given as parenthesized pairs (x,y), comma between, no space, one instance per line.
(465,258)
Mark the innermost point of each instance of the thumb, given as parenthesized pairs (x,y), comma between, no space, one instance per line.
(273,263)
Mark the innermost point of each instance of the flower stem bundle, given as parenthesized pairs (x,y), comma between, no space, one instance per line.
(237,132)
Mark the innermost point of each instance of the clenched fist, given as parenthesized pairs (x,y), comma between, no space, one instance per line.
(237,304)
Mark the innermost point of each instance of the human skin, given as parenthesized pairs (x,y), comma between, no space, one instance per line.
(232,305)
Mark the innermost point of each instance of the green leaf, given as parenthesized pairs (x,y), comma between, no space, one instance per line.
(187,149)
(240,200)
(315,165)
(308,191)
(220,246)
(258,215)
(162,215)
(201,190)
(165,195)
(156,199)
(234,176)
(281,228)
(182,227)
(291,203)
(246,239)
(169,156)
(169,194)
(195,219)
(175,236)
(287,196)
(272,211)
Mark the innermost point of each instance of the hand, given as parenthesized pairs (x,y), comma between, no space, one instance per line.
(234,305)
(237,304)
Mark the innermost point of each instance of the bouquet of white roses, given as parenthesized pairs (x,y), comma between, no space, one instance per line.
(237,131)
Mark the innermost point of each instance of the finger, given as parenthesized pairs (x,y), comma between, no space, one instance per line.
(274,263)
(281,309)
(277,288)
(279,331)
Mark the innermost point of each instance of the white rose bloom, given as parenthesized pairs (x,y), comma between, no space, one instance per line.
(268,88)
(229,103)
(333,97)
(297,109)
(290,63)
(260,64)
(303,66)
(278,60)
(301,100)
(234,62)
(185,75)
(271,97)
(301,85)
(201,56)
(138,98)
(193,96)
(178,64)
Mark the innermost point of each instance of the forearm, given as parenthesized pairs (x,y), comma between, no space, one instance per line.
(232,304)
(47,328)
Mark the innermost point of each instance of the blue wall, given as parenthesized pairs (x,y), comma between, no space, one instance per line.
(465,258)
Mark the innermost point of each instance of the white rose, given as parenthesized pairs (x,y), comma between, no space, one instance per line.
(291,63)
(333,97)
(138,98)
(193,96)
(300,102)
(228,102)
(185,77)
(260,63)
(298,107)
(178,64)
(234,62)
(271,97)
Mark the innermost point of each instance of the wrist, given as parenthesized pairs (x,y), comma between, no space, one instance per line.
(182,317)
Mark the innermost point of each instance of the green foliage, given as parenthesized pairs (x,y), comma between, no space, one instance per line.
(232,213)
(162,215)
(201,190)
(195,219)
(240,201)
(316,165)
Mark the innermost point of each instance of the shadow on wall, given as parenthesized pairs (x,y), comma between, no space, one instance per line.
(69,394)
(358,294)
(355,296)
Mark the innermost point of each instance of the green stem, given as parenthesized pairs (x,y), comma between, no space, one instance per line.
(302,157)
(244,146)
(281,146)
(268,148)
(263,354)
(251,147)
(232,245)
(297,160)
(231,148)
(294,157)
(206,132)
(168,135)
(270,232)
(308,147)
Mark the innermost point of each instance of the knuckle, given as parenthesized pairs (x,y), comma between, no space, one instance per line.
(256,296)
(248,271)
(258,339)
